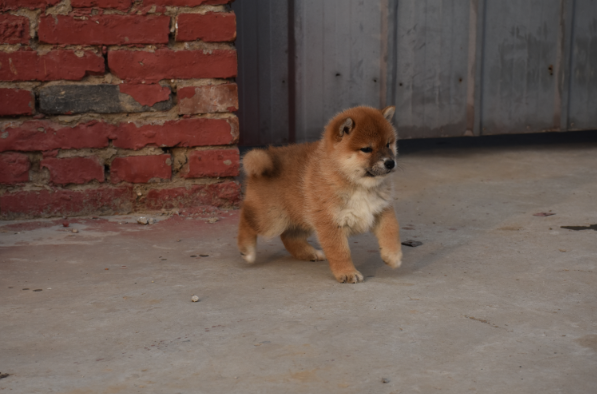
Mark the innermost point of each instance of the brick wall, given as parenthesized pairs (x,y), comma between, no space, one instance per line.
(116,106)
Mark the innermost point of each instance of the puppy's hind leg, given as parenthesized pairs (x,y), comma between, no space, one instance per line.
(295,241)
(247,236)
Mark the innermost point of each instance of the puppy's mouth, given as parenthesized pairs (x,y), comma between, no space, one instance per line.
(371,173)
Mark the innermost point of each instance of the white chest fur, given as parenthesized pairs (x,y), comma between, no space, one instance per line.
(360,207)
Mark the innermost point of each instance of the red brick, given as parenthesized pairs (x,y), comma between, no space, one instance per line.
(16,102)
(225,194)
(58,64)
(104,30)
(207,99)
(50,153)
(182,133)
(74,170)
(122,5)
(186,3)
(137,66)
(44,203)
(212,163)
(146,94)
(6,5)
(140,169)
(14,168)
(45,135)
(14,29)
(210,27)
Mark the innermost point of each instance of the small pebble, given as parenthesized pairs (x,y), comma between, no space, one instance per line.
(75,230)
(64,224)
(194,298)
(142,220)
(385,380)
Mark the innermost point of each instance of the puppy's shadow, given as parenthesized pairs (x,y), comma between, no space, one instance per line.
(365,254)
(367,258)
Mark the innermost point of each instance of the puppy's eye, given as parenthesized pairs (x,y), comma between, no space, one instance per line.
(388,145)
(367,149)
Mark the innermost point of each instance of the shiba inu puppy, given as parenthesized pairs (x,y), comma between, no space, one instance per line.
(336,187)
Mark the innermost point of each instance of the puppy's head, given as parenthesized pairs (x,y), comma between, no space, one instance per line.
(363,142)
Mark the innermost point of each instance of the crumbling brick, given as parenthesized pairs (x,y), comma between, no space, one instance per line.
(213,162)
(77,170)
(58,202)
(187,3)
(181,133)
(14,168)
(208,99)
(14,29)
(54,65)
(104,29)
(138,66)
(121,5)
(210,27)
(44,135)
(223,195)
(6,5)
(141,169)
(15,102)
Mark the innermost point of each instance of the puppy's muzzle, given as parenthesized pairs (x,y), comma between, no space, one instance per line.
(382,167)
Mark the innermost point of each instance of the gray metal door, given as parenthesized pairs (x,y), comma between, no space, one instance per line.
(451,67)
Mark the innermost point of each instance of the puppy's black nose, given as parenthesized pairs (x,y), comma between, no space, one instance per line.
(389,164)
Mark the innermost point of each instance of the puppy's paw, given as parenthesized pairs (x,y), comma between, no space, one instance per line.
(318,256)
(249,254)
(394,259)
(349,276)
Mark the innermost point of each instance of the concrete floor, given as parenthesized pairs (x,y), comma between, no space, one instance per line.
(496,300)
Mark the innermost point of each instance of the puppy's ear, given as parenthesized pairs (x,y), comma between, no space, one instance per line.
(346,127)
(388,112)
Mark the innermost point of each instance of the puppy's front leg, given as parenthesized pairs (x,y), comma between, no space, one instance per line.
(334,242)
(387,231)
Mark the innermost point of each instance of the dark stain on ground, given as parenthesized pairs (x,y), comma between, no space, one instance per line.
(579,228)
(589,341)
(412,244)
(482,321)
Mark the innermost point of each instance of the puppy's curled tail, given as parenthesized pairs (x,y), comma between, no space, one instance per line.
(258,163)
